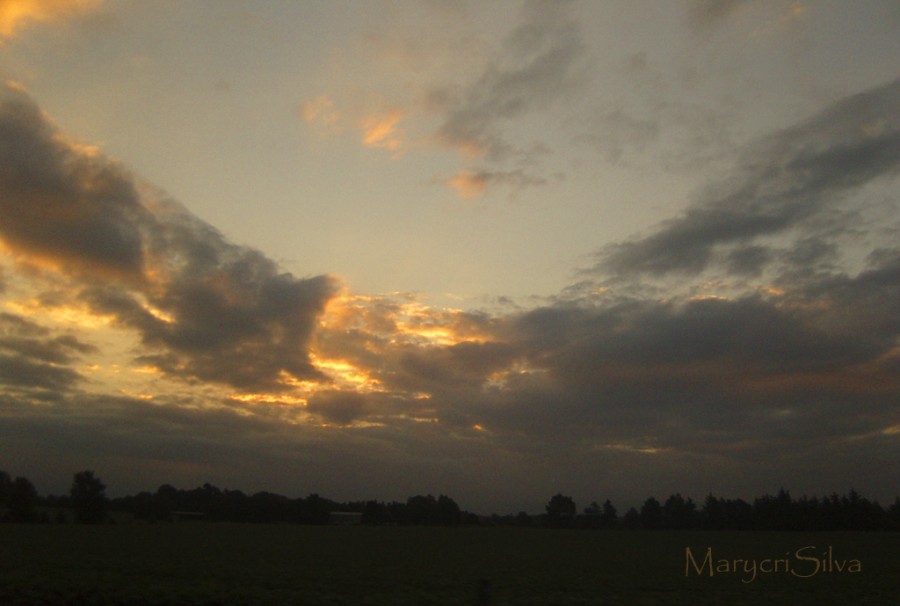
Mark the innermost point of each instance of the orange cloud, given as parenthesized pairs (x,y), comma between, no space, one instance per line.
(380,130)
(468,184)
(13,13)
(320,112)
(471,184)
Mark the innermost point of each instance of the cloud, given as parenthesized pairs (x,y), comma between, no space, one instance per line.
(381,130)
(338,407)
(32,358)
(204,308)
(81,210)
(617,135)
(384,396)
(472,184)
(481,97)
(788,181)
(14,13)
(758,382)
(539,64)
(321,113)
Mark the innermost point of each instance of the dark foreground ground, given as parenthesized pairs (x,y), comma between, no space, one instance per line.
(209,564)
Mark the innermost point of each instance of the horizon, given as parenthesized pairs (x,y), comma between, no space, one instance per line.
(581,507)
(495,252)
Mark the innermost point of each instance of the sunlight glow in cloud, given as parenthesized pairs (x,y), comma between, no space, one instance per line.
(736,309)
(66,315)
(468,184)
(346,375)
(382,131)
(320,113)
(15,13)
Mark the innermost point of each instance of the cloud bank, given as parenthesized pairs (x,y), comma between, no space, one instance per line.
(773,362)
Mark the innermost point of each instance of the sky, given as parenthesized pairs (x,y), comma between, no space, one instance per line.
(493,250)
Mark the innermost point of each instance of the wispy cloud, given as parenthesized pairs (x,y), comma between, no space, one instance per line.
(536,66)
(472,184)
(787,181)
(320,112)
(381,130)
(540,63)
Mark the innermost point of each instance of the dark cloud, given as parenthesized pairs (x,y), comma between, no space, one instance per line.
(448,368)
(866,305)
(788,181)
(24,372)
(338,407)
(31,357)
(751,334)
(64,204)
(205,308)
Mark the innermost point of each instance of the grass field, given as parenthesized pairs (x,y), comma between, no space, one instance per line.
(207,564)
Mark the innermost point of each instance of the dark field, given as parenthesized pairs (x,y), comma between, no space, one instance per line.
(206,564)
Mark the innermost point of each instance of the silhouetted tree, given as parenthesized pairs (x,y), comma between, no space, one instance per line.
(632,519)
(774,513)
(651,514)
(679,513)
(893,515)
(375,513)
(561,510)
(22,501)
(712,516)
(165,501)
(420,509)
(446,511)
(315,509)
(5,487)
(88,495)
(608,517)
(523,519)
(267,507)
(591,516)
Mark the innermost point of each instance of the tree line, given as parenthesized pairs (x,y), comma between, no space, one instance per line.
(87,503)
(850,511)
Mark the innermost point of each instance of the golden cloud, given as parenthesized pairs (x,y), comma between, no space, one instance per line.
(320,112)
(380,130)
(468,184)
(13,13)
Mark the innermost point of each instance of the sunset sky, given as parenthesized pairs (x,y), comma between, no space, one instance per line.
(494,250)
